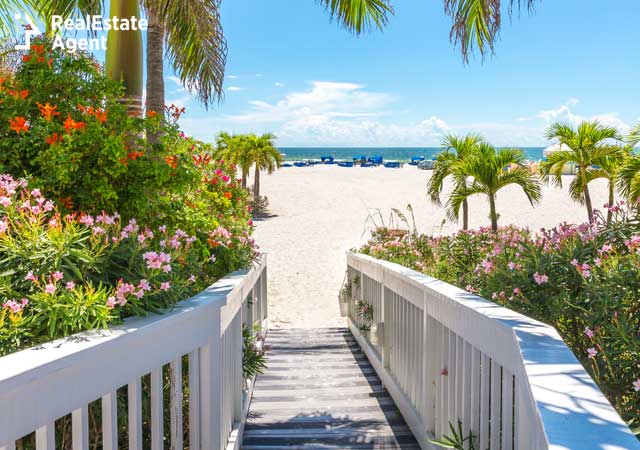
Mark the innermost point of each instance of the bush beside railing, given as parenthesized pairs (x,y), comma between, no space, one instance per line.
(41,385)
(446,355)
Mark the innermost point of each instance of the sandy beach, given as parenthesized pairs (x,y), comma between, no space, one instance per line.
(320,212)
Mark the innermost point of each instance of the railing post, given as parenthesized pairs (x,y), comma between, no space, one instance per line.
(211,387)
(382,334)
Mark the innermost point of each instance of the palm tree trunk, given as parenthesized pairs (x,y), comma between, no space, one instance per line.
(256,183)
(492,212)
(155,69)
(587,202)
(244,178)
(124,54)
(465,214)
(612,193)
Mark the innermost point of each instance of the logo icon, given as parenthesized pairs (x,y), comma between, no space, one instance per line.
(30,29)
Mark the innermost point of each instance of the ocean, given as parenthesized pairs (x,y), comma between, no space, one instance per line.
(388,153)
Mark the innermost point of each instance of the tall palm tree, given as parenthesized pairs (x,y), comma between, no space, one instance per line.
(610,168)
(456,149)
(264,155)
(587,145)
(491,170)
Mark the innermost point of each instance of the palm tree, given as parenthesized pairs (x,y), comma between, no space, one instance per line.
(585,147)
(456,149)
(610,168)
(490,170)
(634,135)
(264,155)
(234,148)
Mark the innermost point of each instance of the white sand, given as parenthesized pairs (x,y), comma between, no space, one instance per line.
(321,212)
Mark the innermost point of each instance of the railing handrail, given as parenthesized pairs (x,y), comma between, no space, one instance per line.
(567,402)
(93,363)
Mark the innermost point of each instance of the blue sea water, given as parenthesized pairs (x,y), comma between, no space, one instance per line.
(388,153)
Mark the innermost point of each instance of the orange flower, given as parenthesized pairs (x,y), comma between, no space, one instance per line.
(67,202)
(19,94)
(70,125)
(26,58)
(228,195)
(48,112)
(203,159)
(100,115)
(40,59)
(19,124)
(172,161)
(38,48)
(54,138)
(151,113)
(135,155)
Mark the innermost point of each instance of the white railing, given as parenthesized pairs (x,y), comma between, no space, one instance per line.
(446,355)
(63,379)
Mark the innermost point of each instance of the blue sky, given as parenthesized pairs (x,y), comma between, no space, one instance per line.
(294,72)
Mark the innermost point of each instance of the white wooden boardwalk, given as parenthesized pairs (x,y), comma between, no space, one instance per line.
(320,392)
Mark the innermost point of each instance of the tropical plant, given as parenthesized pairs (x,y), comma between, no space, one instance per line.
(584,146)
(263,155)
(491,170)
(254,360)
(634,135)
(233,148)
(610,168)
(456,149)
(456,440)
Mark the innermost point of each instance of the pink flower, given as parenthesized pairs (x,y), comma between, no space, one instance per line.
(98,230)
(166,268)
(57,276)
(487,265)
(156,260)
(111,302)
(636,385)
(70,285)
(14,306)
(5,201)
(444,372)
(589,332)
(213,258)
(144,285)
(592,352)
(540,278)
(517,291)
(3,226)
(50,288)
(31,277)
(165,285)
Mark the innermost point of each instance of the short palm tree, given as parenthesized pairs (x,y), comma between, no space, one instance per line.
(264,156)
(490,170)
(587,145)
(456,149)
(610,168)
(233,148)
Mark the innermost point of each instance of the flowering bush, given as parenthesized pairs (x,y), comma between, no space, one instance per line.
(582,279)
(67,273)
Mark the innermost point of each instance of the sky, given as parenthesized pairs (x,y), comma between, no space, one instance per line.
(294,72)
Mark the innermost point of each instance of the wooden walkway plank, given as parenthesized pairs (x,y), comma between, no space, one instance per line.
(320,392)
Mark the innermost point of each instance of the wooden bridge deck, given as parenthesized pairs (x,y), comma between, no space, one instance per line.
(320,392)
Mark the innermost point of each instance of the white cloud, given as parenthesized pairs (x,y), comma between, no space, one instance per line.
(232,77)
(349,114)
(235,88)
(278,84)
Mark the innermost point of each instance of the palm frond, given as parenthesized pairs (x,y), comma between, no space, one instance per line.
(634,135)
(459,195)
(629,179)
(476,23)
(359,16)
(196,46)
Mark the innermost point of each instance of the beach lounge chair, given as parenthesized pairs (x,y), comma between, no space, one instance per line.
(416,159)
(427,164)
(377,160)
(287,165)
(368,164)
(393,164)
(326,159)
(300,164)
(345,164)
